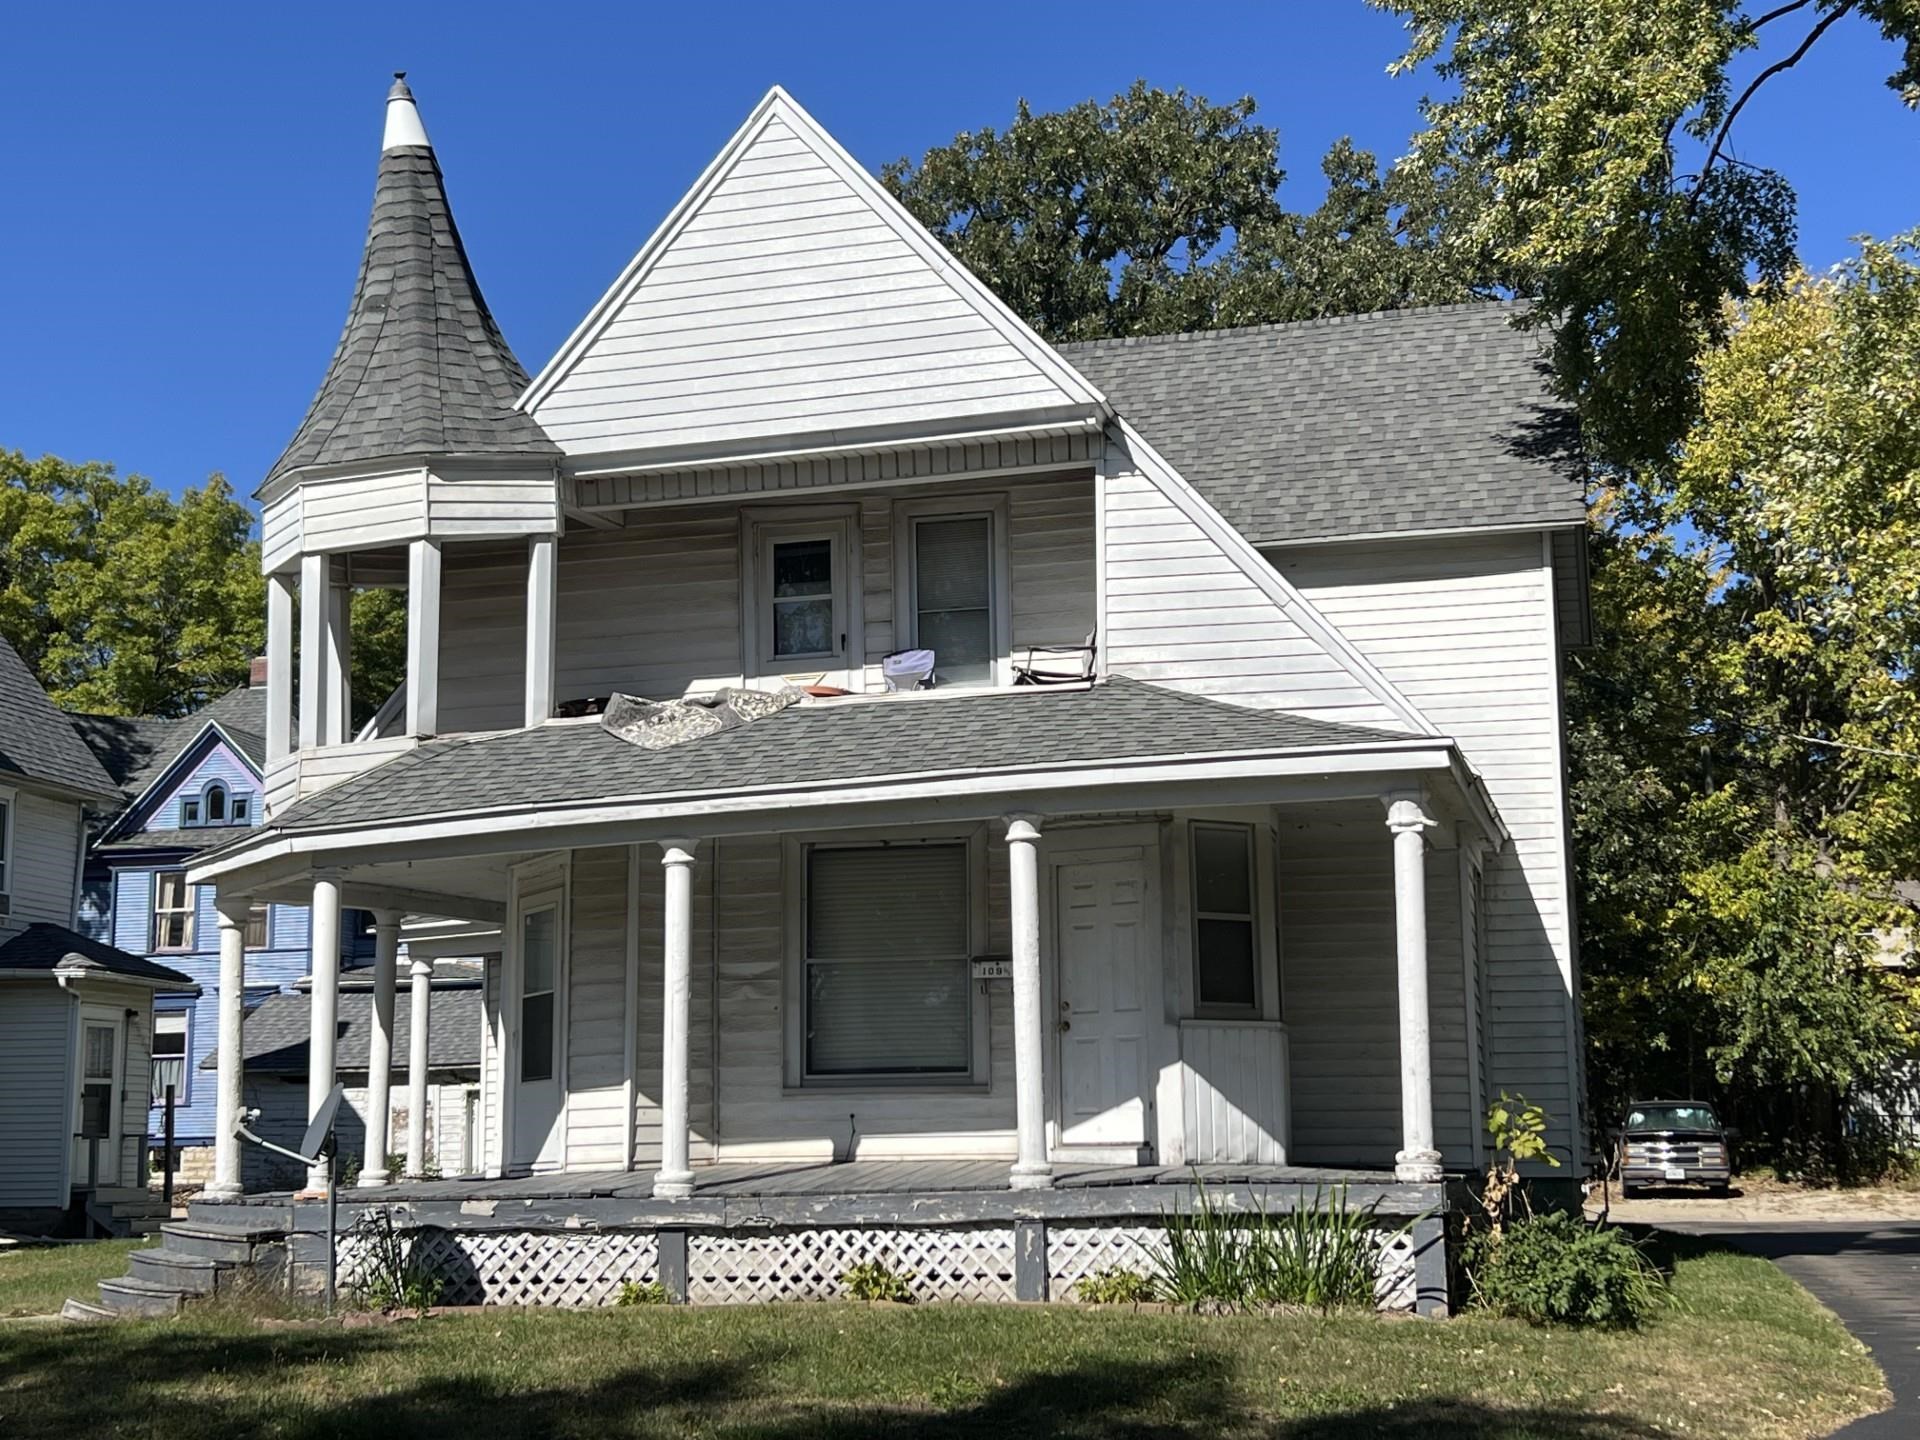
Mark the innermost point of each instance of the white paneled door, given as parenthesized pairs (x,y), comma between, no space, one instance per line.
(1101,940)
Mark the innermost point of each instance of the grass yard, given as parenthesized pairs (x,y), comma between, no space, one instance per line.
(1742,1352)
(34,1279)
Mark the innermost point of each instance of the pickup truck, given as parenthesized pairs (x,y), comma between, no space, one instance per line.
(1674,1142)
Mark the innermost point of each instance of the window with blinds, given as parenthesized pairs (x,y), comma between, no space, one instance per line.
(170,1056)
(953,596)
(886,980)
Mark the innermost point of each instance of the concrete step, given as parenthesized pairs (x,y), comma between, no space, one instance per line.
(146,1225)
(81,1313)
(184,1274)
(236,1244)
(121,1194)
(131,1296)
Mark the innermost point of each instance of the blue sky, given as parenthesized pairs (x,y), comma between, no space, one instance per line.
(189,184)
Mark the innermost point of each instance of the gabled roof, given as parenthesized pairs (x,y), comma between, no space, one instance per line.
(421,368)
(279,1029)
(54,948)
(152,755)
(37,743)
(1400,422)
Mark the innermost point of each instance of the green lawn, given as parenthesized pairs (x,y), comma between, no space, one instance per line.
(34,1279)
(1743,1352)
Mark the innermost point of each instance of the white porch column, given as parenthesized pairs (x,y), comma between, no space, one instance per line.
(1418,1160)
(419,1039)
(386,947)
(229,1095)
(540,622)
(324,962)
(338,725)
(315,602)
(423,637)
(1030,1168)
(674,1179)
(279,666)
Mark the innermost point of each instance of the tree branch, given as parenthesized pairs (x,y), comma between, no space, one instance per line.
(1771,15)
(1726,125)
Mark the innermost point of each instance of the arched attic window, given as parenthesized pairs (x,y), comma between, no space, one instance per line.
(216,804)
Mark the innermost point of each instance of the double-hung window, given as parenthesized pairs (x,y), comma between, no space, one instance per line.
(259,926)
(886,978)
(1226,941)
(951,588)
(173,906)
(170,1055)
(800,596)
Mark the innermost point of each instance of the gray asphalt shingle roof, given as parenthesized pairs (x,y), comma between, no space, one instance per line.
(48,947)
(1406,420)
(37,742)
(421,367)
(560,764)
(278,1029)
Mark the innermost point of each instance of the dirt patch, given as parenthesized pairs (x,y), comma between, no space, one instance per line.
(1759,1200)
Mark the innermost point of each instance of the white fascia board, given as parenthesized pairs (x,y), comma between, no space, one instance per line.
(93,975)
(1277,587)
(777,104)
(775,807)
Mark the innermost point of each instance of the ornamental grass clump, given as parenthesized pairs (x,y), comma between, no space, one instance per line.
(391,1273)
(1320,1257)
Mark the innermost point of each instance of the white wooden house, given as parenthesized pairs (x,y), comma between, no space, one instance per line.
(1279,885)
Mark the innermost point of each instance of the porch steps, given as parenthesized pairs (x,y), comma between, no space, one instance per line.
(125,1212)
(195,1258)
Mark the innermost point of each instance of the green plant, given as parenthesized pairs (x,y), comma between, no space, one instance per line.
(1321,1256)
(1519,1132)
(652,1292)
(1115,1286)
(1558,1269)
(350,1172)
(876,1280)
(391,1273)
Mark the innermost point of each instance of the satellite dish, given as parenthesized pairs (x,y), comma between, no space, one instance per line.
(316,1137)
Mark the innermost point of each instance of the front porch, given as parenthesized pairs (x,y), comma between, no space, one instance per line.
(767,1232)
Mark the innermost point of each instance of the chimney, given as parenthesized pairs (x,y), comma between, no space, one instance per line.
(256,672)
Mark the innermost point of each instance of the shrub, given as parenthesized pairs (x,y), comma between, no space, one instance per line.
(1115,1287)
(391,1273)
(875,1280)
(632,1292)
(1321,1256)
(1558,1269)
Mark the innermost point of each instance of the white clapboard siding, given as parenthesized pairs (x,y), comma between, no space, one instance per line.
(46,855)
(786,298)
(363,512)
(1182,611)
(1339,977)
(493,506)
(491,1079)
(323,767)
(1466,629)
(483,629)
(1233,1091)
(37,1115)
(280,533)
(596,1011)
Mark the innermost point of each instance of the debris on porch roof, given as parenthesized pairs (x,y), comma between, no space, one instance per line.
(661,724)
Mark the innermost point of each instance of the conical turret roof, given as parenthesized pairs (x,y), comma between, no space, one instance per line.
(421,368)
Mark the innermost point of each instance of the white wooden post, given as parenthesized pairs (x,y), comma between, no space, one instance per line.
(314,603)
(419,1052)
(423,637)
(1030,1168)
(386,947)
(324,962)
(339,716)
(540,622)
(674,1179)
(229,1093)
(279,667)
(1417,1160)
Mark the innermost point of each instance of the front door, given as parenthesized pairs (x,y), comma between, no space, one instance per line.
(98,1109)
(538,1059)
(1101,940)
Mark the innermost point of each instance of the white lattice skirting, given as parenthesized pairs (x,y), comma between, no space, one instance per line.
(950,1263)
(1075,1252)
(519,1267)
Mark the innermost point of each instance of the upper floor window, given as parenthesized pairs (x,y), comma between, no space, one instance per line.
(259,927)
(6,852)
(173,907)
(950,587)
(216,804)
(801,595)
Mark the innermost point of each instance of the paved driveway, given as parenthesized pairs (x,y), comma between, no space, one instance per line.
(1867,1273)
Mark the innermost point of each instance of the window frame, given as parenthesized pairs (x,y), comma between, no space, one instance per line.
(1264,1004)
(183,1092)
(908,516)
(762,529)
(796,849)
(9,821)
(189,907)
(236,806)
(264,909)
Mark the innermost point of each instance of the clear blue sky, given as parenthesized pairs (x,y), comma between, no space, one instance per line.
(188,185)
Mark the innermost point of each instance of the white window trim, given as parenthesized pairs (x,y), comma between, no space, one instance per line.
(9,803)
(531,884)
(267,943)
(190,908)
(909,513)
(793,890)
(201,818)
(183,1096)
(1264,894)
(761,527)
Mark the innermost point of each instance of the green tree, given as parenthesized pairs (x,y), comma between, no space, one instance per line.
(1744,736)
(122,599)
(1601,136)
